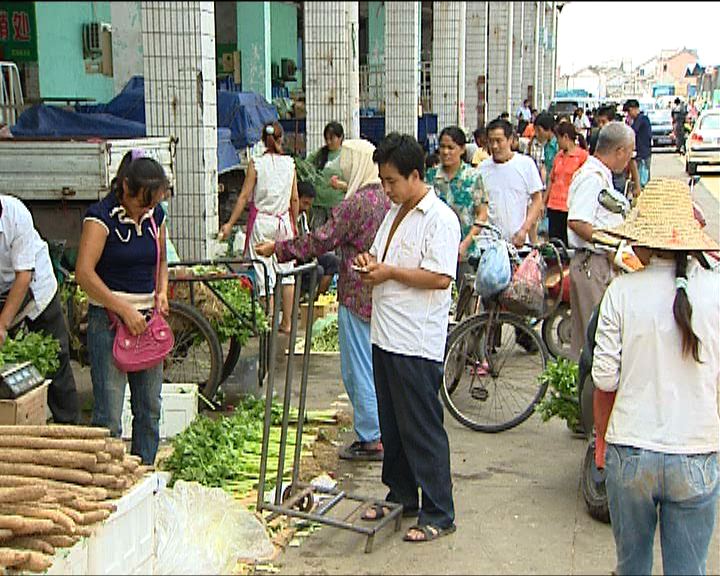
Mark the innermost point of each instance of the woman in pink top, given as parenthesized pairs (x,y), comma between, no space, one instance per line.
(570,157)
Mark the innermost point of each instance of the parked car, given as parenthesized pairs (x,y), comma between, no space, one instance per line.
(703,145)
(662,126)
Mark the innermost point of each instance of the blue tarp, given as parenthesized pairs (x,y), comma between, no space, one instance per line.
(244,113)
(52,121)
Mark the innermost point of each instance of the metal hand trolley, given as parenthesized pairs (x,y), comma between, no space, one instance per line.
(298,499)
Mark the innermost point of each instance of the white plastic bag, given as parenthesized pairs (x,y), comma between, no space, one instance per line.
(202,530)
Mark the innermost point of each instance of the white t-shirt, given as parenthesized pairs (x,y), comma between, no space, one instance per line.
(592,177)
(665,402)
(22,249)
(525,112)
(413,321)
(509,187)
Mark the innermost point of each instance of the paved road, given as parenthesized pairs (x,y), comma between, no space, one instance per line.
(517,494)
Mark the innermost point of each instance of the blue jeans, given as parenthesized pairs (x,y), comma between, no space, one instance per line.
(643,166)
(356,367)
(684,487)
(109,390)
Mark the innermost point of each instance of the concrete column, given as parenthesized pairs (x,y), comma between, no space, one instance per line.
(549,60)
(528,86)
(476,54)
(518,62)
(127,46)
(181,100)
(448,70)
(499,76)
(402,67)
(254,43)
(332,78)
(542,104)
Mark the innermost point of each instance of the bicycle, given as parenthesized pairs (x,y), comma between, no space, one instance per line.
(492,364)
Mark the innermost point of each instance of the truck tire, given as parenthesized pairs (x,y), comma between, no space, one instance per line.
(593,487)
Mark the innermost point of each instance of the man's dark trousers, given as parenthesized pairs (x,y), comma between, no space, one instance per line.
(417,452)
(62,393)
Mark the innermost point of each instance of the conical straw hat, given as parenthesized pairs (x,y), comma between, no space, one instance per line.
(664,219)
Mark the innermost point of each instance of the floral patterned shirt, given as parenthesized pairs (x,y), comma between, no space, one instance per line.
(464,193)
(351,227)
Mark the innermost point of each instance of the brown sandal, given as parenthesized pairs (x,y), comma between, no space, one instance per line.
(429,532)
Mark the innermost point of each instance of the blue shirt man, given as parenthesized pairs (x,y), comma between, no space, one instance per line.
(643,138)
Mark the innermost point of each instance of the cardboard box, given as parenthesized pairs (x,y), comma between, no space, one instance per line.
(30,408)
(319,312)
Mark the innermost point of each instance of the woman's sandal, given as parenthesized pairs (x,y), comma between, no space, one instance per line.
(429,532)
(382,511)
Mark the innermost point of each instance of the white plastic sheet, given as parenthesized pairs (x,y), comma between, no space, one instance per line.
(202,530)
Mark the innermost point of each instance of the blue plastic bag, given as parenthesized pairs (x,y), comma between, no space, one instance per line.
(494,271)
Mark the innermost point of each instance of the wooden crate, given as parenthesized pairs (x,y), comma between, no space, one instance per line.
(30,408)
(319,312)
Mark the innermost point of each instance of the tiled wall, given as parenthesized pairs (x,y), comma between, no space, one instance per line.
(446,74)
(530,49)
(475,62)
(499,55)
(518,62)
(402,62)
(332,69)
(180,100)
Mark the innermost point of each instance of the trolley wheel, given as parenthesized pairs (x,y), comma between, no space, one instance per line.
(231,360)
(196,357)
(305,504)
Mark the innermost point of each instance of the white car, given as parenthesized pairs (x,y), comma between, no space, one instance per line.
(703,144)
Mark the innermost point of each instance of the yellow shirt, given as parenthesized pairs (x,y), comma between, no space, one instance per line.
(480,155)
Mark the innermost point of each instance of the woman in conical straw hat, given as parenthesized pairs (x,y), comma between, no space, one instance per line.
(656,371)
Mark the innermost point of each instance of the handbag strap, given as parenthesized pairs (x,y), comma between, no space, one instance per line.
(157,258)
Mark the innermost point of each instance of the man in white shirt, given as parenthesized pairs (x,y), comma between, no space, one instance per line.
(594,203)
(513,185)
(28,290)
(410,266)
(524,116)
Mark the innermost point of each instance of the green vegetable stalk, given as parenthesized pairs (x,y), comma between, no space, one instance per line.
(562,398)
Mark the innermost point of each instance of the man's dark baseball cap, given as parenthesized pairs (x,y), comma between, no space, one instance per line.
(631,103)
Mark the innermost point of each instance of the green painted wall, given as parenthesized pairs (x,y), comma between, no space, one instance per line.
(253,31)
(283,18)
(376,32)
(61,67)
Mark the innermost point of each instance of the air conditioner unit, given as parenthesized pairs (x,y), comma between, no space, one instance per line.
(287,69)
(92,33)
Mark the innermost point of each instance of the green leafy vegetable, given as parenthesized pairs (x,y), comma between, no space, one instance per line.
(325,337)
(562,397)
(41,349)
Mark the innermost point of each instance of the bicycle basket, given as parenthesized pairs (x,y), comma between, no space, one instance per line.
(526,293)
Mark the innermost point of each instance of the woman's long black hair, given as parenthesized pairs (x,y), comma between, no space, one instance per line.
(682,310)
(143,176)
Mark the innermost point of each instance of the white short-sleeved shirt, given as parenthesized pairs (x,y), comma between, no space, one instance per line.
(22,249)
(592,177)
(413,321)
(665,402)
(509,187)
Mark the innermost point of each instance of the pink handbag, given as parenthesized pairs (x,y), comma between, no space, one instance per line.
(136,353)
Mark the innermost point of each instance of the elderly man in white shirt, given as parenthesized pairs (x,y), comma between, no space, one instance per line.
(656,370)
(593,203)
(410,266)
(28,290)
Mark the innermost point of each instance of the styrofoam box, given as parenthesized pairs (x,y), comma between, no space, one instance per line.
(179,408)
(125,542)
(72,561)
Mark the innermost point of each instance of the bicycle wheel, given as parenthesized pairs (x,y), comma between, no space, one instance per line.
(196,357)
(490,381)
(231,359)
(556,332)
